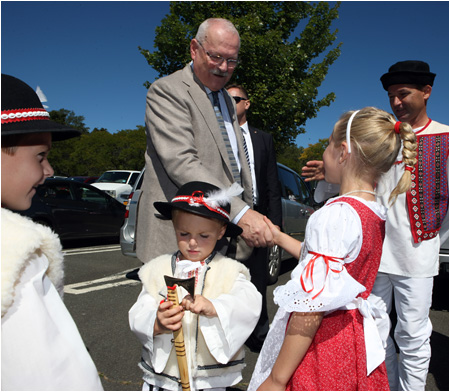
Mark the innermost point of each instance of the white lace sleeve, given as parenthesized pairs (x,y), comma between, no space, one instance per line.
(270,350)
(321,282)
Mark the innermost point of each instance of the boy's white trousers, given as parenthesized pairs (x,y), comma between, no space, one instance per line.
(412,333)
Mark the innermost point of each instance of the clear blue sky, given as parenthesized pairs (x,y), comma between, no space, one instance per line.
(85,58)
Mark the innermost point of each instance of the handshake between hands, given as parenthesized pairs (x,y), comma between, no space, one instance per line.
(258,230)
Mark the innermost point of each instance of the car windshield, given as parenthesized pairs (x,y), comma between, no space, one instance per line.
(115,177)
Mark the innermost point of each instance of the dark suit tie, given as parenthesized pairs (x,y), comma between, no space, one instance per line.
(247,156)
(223,130)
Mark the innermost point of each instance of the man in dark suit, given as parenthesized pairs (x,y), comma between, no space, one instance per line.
(266,200)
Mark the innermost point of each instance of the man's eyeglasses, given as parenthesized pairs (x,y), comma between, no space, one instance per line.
(218,60)
(239,99)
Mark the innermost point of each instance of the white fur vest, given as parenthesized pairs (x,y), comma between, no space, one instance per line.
(21,238)
(219,279)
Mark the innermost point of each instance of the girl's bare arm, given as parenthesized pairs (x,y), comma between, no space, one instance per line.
(299,335)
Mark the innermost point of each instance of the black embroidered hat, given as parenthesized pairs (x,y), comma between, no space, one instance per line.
(408,72)
(204,199)
(23,112)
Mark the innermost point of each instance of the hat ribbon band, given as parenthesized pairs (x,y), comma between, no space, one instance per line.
(17,115)
(197,198)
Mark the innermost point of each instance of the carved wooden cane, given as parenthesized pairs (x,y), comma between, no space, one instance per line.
(178,337)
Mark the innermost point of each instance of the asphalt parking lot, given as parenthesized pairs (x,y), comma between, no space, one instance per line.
(99,296)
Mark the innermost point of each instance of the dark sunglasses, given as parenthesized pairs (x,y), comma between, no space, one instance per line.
(239,99)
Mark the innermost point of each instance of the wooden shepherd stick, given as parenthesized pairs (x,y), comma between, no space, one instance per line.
(178,336)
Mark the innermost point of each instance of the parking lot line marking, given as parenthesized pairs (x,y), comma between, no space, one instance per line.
(97,249)
(100,284)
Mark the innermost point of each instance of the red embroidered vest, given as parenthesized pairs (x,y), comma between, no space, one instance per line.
(428,200)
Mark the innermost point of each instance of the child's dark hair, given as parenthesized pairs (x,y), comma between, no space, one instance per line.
(11,142)
(375,142)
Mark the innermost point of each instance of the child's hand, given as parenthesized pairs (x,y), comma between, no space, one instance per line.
(167,319)
(274,229)
(199,305)
(288,243)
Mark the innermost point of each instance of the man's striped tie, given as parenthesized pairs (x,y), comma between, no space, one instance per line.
(223,130)
(247,156)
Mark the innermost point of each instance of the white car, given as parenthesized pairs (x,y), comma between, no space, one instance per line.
(128,230)
(117,183)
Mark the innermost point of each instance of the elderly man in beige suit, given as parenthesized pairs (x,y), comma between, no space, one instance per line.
(186,142)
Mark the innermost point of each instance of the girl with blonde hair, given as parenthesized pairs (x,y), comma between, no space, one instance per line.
(324,336)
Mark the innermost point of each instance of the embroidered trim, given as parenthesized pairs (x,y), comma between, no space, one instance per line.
(16,115)
(149,368)
(428,199)
(220,365)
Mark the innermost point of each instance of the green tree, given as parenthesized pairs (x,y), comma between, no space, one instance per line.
(290,157)
(95,152)
(133,143)
(60,156)
(313,152)
(285,55)
(100,150)
(69,118)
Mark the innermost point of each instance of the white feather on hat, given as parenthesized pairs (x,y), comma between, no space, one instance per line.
(223,196)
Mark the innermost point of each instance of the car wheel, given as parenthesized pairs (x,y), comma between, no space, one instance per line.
(273,264)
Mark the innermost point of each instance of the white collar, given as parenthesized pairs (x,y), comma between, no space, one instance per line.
(244,128)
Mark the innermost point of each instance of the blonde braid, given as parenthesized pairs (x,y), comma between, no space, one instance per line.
(409,153)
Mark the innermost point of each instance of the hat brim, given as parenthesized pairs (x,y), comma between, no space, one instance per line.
(165,209)
(59,131)
(407,77)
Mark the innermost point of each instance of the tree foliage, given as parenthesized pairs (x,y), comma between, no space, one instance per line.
(290,157)
(95,152)
(284,56)
(68,117)
(296,157)
(313,152)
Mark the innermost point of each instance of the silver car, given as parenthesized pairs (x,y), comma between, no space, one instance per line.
(297,206)
(297,203)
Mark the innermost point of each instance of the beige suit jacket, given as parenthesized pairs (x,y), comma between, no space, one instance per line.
(184,144)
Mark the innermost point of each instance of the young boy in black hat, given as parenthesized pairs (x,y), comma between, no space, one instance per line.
(224,310)
(41,346)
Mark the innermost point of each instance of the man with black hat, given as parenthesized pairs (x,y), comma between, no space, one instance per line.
(415,226)
(41,346)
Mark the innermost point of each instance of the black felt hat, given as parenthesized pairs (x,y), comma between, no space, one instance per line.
(23,113)
(408,72)
(204,199)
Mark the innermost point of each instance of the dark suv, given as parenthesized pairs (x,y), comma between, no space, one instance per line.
(75,210)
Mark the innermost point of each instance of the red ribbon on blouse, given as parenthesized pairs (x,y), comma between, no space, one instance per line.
(309,270)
